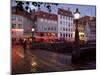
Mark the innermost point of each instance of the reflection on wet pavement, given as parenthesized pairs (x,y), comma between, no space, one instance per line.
(35,61)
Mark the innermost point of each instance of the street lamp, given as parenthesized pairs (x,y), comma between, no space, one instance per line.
(33,33)
(33,29)
(76,50)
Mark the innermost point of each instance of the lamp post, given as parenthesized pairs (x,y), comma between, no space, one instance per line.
(33,33)
(76,50)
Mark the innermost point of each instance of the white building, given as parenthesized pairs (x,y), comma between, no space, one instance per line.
(21,23)
(46,24)
(66,27)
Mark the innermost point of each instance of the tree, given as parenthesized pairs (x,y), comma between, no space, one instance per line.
(21,4)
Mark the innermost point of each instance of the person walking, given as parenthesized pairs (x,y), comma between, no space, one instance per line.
(24,46)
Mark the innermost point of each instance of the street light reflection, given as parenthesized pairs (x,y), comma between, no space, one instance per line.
(34,64)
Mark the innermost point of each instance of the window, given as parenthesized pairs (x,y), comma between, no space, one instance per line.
(55,28)
(60,16)
(66,29)
(66,23)
(69,25)
(66,18)
(69,35)
(61,34)
(70,18)
(63,22)
(63,17)
(45,28)
(13,17)
(13,26)
(69,29)
(51,28)
(63,29)
(19,19)
(20,26)
(82,35)
(60,22)
(66,35)
(48,28)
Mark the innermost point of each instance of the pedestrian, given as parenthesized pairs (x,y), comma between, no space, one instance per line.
(24,46)
(20,41)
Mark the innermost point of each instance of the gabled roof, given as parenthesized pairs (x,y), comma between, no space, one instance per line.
(64,12)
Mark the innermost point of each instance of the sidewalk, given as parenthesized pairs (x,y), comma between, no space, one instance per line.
(19,64)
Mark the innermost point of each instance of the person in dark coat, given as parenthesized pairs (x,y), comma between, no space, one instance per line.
(25,45)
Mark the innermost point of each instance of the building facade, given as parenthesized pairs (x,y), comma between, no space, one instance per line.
(66,27)
(21,23)
(89,24)
(46,24)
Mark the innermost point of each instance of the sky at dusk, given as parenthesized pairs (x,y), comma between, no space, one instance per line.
(88,10)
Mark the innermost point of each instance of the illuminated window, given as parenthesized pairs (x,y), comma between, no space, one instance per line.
(13,26)
(20,26)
